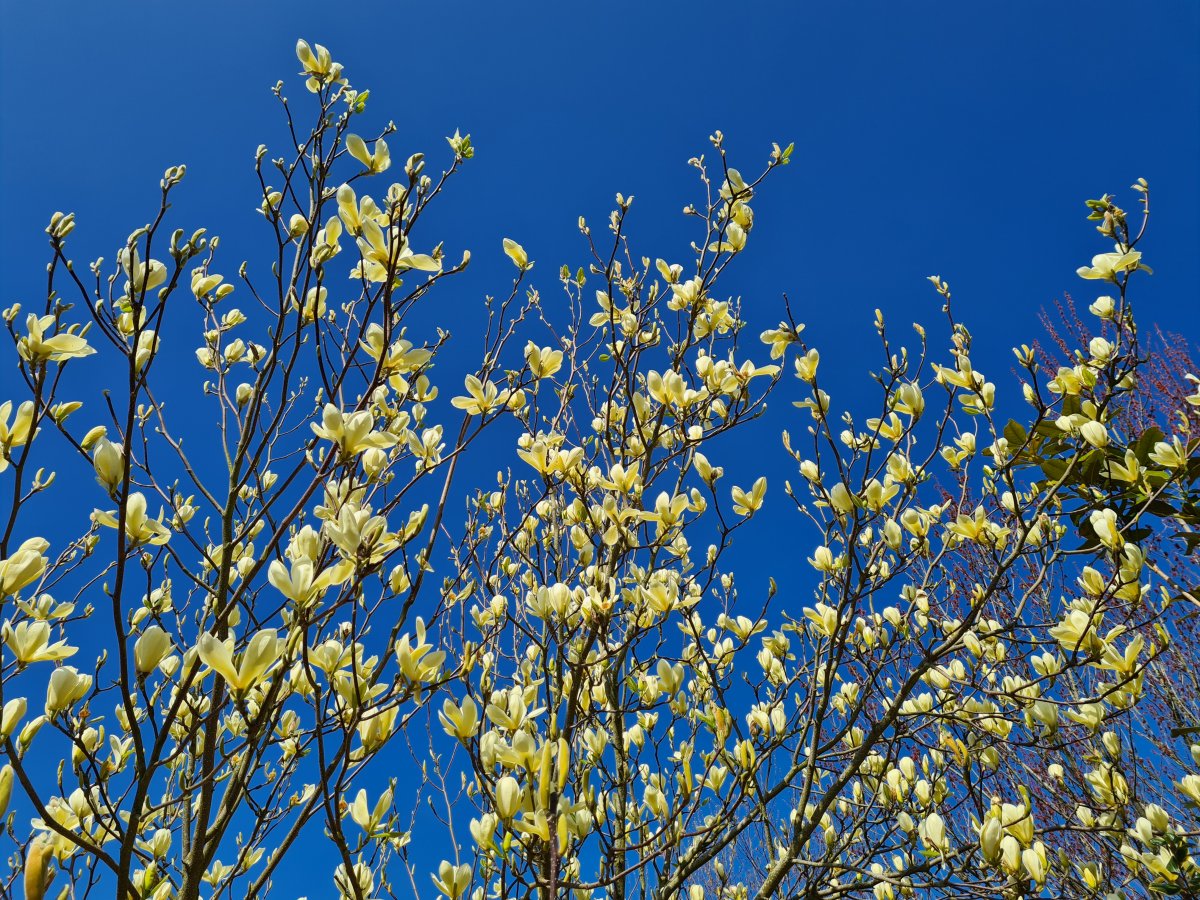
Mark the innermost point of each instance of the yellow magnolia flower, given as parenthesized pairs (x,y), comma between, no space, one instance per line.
(1107,266)
(319,66)
(806,366)
(388,252)
(67,686)
(1076,630)
(460,721)
(139,527)
(778,339)
(1189,786)
(352,433)
(18,434)
(36,347)
(255,662)
(517,254)
(543,361)
(143,277)
(484,397)
(108,459)
(150,649)
(375,162)
(6,782)
(376,727)
(1172,456)
(313,307)
(824,618)
(989,839)
(933,832)
(417,663)
(326,245)
(300,585)
(366,817)
(735,240)
(1094,433)
(400,357)
(24,567)
(509,797)
(12,714)
(1035,863)
(549,459)
(203,284)
(30,643)
(909,400)
(452,880)
(747,504)
(823,560)
(38,859)
(1104,524)
(354,212)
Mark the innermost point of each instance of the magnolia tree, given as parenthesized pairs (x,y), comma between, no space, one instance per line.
(267,638)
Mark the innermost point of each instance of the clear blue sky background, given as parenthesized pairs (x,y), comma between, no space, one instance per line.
(957,138)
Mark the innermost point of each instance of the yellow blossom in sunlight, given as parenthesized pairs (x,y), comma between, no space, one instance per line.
(779,339)
(318,66)
(417,663)
(142,277)
(1171,455)
(150,649)
(6,783)
(399,357)
(16,435)
(11,715)
(824,619)
(36,347)
(352,433)
(1107,266)
(1104,524)
(747,504)
(24,566)
(30,643)
(369,818)
(327,243)
(460,721)
(67,686)
(108,459)
(313,307)
(255,662)
(377,726)
(482,397)
(933,833)
(301,585)
(386,250)
(376,161)
(543,361)
(517,254)
(823,560)
(452,881)
(806,366)
(508,798)
(38,874)
(734,242)
(203,284)
(1094,433)
(354,212)
(1189,786)
(139,527)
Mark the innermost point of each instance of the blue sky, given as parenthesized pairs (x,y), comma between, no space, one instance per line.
(953,138)
(959,139)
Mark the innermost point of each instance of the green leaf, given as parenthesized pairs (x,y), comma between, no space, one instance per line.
(1015,434)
